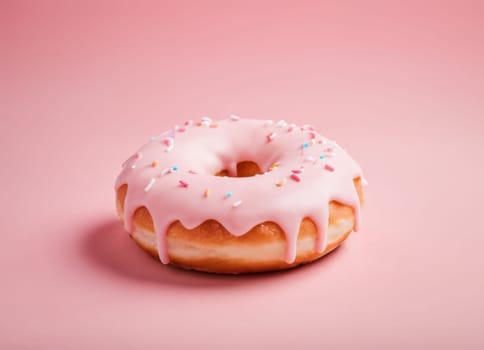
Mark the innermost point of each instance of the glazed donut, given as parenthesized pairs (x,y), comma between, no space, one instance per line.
(239,195)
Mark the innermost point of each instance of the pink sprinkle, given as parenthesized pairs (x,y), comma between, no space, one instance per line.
(271,136)
(312,134)
(297,171)
(192,171)
(181,130)
(328,167)
(295,177)
(188,123)
(183,183)
(168,141)
(139,155)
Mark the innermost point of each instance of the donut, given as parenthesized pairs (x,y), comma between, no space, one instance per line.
(239,195)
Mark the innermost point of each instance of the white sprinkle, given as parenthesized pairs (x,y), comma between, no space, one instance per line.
(268,123)
(133,166)
(165,171)
(281,124)
(176,127)
(234,118)
(153,138)
(206,119)
(309,159)
(237,203)
(364,182)
(150,184)
(205,123)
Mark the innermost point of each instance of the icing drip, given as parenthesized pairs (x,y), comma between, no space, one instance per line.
(303,173)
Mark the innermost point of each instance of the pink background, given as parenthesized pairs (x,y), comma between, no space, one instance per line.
(83,84)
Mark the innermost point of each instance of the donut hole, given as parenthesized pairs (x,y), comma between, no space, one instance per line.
(246,168)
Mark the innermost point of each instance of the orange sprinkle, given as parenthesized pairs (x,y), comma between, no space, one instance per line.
(214,125)
(207,192)
(281,183)
(154,164)
(274,166)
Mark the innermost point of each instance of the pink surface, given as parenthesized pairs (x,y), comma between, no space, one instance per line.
(81,86)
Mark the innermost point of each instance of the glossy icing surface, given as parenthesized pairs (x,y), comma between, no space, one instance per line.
(173,177)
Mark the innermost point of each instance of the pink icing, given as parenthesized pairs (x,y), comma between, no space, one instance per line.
(307,172)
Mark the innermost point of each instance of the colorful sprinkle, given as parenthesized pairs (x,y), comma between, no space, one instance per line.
(321,157)
(234,118)
(188,123)
(328,167)
(150,184)
(133,166)
(271,136)
(181,130)
(298,171)
(305,145)
(176,127)
(191,171)
(228,195)
(174,167)
(207,192)
(154,164)
(206,119)
(214,125)
(312,135)
(295,177)
(291,127)
(280,183)
(169,142)
(274,166)
(268,123)
(237,203)
(309,159)
(183,183)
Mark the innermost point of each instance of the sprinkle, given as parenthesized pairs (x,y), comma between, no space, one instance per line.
(174,167)
(305,145)
(280,183)
(295,177)
(206,119)
(298,171)
(188,123)
(309,159)
(312,134)
(183,183)
(291,127)
(152,138)
(214,125)
(321,157)
(313,142)
(307,127)
(268,123)
(182,130)
(139,155)
(133,166)
(169,142)
(150,184)
(176,127)
(274,166)
(207,192)
(237,203)
(328,167)
(165,171)
(154,164)
(281,124)
(234,118)
(364,182)
(271,136)
(205,123)
(191,171)
(228,195)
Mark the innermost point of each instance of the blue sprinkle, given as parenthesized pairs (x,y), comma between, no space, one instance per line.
(321,157)
(175,168)
(228,194)
(305,145)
